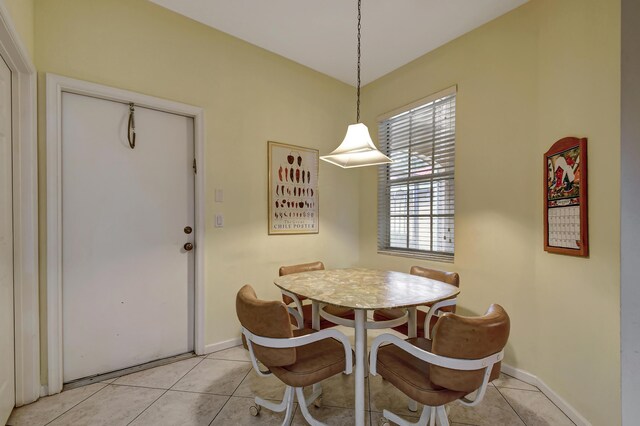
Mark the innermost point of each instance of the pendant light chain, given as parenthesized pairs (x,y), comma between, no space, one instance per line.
(358,91)
(357,149)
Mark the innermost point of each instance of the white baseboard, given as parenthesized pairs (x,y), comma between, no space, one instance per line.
(215,347)
(529,378)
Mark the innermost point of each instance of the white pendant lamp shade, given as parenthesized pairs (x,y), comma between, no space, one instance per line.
(356,150)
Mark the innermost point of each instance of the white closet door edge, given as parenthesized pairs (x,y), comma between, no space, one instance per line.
(25,206)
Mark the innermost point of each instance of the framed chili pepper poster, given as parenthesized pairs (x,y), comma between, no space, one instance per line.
(566,228)
(293,189)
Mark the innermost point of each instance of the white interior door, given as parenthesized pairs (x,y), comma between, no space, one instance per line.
(127,280)
(7,374)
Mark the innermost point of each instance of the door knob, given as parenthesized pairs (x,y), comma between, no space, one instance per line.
(187,230)
(188,246)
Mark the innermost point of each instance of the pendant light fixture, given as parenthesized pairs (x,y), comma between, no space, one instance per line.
(357,148)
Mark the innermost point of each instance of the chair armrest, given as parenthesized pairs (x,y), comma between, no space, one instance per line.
(434,310)
(431,358)
(293,342)
(441,361)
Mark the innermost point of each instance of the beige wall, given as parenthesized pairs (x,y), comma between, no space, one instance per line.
(547,70)
(249,96)
(21,12)
(579,92)
(544,71)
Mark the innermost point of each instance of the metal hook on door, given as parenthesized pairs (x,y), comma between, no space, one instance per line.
(131,132)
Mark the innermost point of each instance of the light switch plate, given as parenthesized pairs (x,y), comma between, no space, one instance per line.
(219,220)
(219,195)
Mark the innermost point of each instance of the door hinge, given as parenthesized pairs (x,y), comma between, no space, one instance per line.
(195,168)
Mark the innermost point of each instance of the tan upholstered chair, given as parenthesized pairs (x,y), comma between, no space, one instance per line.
(434,310)
(305,309)
(463,357)
(298,358)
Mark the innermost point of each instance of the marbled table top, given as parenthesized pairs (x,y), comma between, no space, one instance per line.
(366,288)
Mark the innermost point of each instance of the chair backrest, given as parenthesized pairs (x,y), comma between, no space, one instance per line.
(294,269)
(455,336)
(266,319)
(448,277)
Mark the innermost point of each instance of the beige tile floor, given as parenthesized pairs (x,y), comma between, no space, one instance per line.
(218,390)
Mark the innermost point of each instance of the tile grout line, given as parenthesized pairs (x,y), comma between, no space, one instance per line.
(183,376)
(511,406)
(531,390)
(220,410)
(243,379)
(74,406)
(518,389)
(230,396)
(172,390)
(537,389)
(147,407)
(102,388)
(565,414)
(163,393)
(543,394)
(549,399)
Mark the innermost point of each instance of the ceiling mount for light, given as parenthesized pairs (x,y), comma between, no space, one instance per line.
(357,148)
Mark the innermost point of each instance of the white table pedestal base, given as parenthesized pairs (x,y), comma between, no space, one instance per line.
(361,355)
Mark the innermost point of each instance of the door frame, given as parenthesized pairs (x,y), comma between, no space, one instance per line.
(25,211)
(55,86)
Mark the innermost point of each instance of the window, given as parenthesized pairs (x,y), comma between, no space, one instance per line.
(416,191)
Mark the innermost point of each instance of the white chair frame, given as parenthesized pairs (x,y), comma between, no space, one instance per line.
(435,310)
(297,316)
(369,325)
(435,415)
(295,300)
(289,397)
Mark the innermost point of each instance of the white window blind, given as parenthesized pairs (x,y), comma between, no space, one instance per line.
(416,191)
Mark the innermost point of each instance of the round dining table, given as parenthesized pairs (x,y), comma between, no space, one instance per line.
(362,290)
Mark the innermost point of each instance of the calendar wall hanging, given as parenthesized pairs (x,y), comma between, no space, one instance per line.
(565,198)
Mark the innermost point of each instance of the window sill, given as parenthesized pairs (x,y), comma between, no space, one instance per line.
(436,257)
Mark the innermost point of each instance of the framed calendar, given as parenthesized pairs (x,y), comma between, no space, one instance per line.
(566,228)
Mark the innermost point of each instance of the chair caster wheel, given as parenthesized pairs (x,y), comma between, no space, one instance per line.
(254,410)
(383,422)
(318,402)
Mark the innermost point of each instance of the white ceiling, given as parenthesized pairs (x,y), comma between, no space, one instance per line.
(321,34)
